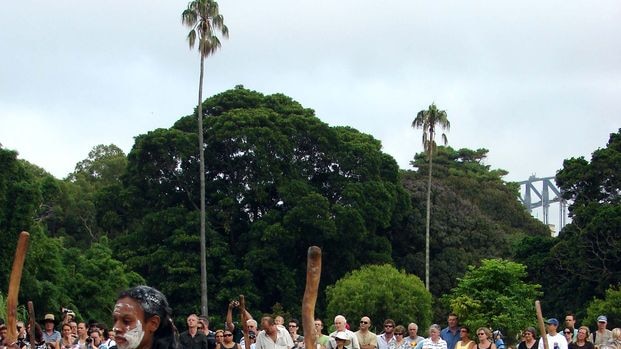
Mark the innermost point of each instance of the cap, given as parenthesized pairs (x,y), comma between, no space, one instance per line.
(552,321)
(602,318)
(49,317)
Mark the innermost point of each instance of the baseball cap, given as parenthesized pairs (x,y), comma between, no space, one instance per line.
(552,321)
(602,318)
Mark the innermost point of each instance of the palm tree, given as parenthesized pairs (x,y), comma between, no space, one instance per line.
(427,120)
(204,20)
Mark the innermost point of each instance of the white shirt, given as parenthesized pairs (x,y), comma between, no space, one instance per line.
(283,340)
(558,339)
(440,344)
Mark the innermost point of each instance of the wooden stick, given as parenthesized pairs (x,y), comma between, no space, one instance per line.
(313,274)
(244,320)
(14,281)
(31,322)
(542,328)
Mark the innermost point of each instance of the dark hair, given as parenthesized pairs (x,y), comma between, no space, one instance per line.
(153,302)
(294,321)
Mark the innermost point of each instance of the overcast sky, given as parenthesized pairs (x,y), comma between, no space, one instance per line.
(535,82)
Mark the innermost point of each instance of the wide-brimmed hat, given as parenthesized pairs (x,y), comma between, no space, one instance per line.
(49,317)
(342,335)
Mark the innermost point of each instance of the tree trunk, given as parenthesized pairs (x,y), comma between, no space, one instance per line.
(201,152)
(428,221)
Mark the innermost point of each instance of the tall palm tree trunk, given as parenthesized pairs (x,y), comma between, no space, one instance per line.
(201,152)
(428,221)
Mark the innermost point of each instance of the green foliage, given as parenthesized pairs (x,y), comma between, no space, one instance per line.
(495,295)
(610,306)
(380,292)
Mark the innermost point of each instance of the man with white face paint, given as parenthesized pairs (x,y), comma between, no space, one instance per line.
(142,320)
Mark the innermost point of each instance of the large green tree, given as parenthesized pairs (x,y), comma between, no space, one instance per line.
(279,180)
(428,120)
(205,21)
(380,292)
(495,295)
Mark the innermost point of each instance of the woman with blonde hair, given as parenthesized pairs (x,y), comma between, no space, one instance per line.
(581,339)
(615,340)
(484,335)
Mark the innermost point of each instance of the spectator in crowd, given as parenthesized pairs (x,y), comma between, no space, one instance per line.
(399,342)
(228,342)
(50,335)
(602,335)
(581,341)
(568,333)
(74,329)
(279,320)
(530,340)
(434,341)
(96,339)
(342,340)
(570,322)
(500,343)
(366,338)
(385,339)
(555,339)
(193,338)
(484,339)
(251,326)
(203,326)
(340,323)
(273,336)
(451,334)
(142,320)
(465,342)
(82,336)
(615,341)
(320,339)
(298,341)
(219,336)
(3,332)
(67,341)
(413,337)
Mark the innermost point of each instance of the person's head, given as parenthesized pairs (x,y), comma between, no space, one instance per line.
(74,327)
(252,325)
(279,320)
(20,326)
(66,330)
(96,337)
(602,321)
(342,339)
(464,333)
(3,331)
(570,320)
(318,326)
(568,333)
(293,326)
(111,334)
(399,332)
(219,335)
(389,326)
(530,334)
(483,334)
(616,334)
(583,333)
(413,330)
(452,320)
(496,334)
(48,322)
(81,328)
(551,325)
(142,319)
(339,323)
(268,324)
(192,321)
(228,336)
(203,324)
(434,332)
(365,323)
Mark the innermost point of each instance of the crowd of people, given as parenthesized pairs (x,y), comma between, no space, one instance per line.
(142,320)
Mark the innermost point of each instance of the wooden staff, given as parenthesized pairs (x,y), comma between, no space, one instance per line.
(244,320)
(14,281)
(542,328)
(31,322)
(313,274)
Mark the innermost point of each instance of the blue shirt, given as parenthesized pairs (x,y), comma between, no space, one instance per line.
(450,338)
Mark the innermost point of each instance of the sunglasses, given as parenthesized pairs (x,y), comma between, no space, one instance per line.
(481,334)
(293,326)
(398,334)
(364,322)
(200,327)
(228,335)
(567,332)
(389,326)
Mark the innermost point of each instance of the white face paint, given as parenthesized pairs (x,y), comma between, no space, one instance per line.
(132,337)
